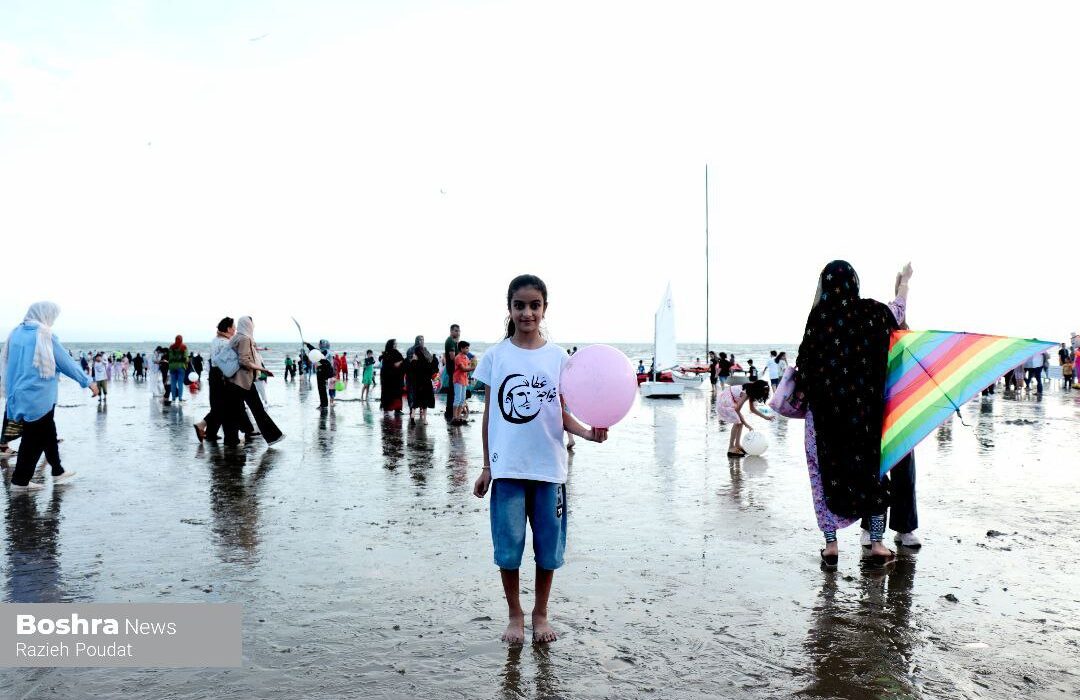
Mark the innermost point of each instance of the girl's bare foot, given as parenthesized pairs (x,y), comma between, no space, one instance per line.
(515,631)
(542,632)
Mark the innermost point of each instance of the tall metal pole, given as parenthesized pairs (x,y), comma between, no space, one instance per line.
(706,262)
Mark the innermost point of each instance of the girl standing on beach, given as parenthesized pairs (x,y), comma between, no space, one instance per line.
(525,464)
(369,375)
(842,364)
(729,405)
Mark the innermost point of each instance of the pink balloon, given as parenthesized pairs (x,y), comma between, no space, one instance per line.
(599,385)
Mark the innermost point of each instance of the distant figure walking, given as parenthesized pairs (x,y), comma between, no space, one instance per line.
(243,386)
(224,363)
(369,375)
(178,362)
(449,354)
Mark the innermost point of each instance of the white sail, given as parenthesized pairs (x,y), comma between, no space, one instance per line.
(664,334)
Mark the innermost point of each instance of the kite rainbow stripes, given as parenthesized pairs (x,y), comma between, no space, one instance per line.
(932,373)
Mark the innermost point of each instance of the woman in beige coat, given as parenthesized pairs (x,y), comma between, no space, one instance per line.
(242,384)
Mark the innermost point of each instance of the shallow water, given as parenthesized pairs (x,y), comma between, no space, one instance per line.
(364,564)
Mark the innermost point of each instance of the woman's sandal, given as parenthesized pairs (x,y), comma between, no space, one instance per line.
(734,453)
(878,561)
(829,560)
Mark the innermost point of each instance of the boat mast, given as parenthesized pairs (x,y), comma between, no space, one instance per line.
(706,262)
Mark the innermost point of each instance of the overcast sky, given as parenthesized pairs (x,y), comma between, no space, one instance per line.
(385,168)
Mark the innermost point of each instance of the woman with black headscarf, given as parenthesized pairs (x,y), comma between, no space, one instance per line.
(420,365)
(391,377)
(842,365)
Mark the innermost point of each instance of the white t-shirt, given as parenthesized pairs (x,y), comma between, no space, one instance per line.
(525,421)
(100,372)
(772,369)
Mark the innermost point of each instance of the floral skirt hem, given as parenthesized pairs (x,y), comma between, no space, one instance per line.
(827,520)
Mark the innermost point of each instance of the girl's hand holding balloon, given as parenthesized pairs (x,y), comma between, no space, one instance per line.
(597,434)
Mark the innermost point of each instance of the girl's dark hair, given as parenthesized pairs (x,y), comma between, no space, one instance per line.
(462,345)
(224,324)
(390,345)
(757,390)
(521,282)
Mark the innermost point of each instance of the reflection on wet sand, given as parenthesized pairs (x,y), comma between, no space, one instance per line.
(984,426)
(457,459)
(515,684)
(665,433)
(862,641)
(327,430)
(33,546)
(393,447)
(234,503)
(420,452)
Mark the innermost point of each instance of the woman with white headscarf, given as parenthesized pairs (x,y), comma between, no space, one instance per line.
(29,362)
(243,385)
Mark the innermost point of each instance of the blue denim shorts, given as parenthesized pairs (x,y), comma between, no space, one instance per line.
(459,394)
(543,504)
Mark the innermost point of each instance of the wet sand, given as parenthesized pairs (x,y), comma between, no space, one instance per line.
(364,564)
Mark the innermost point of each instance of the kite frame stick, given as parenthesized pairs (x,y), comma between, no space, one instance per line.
(299,330)
(931,378)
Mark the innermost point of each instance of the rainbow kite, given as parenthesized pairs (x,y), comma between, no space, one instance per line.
(932,373)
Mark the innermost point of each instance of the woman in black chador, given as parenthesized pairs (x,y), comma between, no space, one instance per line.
(842,365)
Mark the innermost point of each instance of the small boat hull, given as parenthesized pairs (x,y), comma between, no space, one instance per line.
(690,381)
(662,390)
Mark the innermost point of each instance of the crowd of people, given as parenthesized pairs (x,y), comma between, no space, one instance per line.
(414,377)
(524,421)
(178,368)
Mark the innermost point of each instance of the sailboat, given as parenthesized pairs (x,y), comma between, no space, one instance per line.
(691,377)
(663,352)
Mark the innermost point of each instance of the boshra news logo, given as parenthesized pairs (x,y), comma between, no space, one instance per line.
(77,625)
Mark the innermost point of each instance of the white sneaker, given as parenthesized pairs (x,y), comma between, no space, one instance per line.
(864,538)
(907,539)
(32,486)
(63,478)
